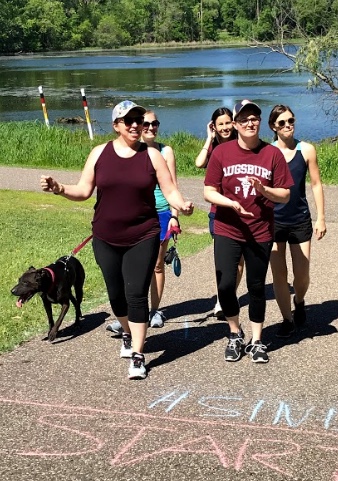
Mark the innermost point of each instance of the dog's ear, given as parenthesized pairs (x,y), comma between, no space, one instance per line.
(31,268)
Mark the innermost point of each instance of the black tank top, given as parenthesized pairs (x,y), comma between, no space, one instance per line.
(125,212)
(296,210)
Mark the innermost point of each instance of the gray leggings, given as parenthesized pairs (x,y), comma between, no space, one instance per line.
(127,272)
(228,253)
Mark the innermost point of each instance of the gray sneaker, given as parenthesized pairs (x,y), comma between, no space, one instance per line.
(157,319)
(115,327)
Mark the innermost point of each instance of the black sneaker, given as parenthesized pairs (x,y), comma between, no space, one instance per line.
(286,328)
(235,347)
(299,314)
(257,352)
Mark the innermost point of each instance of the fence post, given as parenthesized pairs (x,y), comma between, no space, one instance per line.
(43,105)
(86,111)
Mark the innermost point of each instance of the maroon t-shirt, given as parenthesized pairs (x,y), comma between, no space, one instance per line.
(228,169)
(125,212)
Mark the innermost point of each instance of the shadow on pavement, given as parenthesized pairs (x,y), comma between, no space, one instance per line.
(88,323)
(191,338)
(186,308)
(182,342)
(319,318)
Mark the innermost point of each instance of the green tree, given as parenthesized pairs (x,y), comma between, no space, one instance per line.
(174,21)
(263,27)
(130,17)
(316,55)
(44,25)
(81,34)
(10,28)
(312,18)
(229,10)
(208,18)
(110,34)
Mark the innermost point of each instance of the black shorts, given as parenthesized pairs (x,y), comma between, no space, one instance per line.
(293,234)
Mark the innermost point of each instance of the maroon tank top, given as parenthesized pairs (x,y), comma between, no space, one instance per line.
(125,212)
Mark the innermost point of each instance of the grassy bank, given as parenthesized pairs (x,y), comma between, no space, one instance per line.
(31,144)
(28,237)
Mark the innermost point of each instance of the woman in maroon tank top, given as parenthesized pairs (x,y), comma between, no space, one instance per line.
(125,223)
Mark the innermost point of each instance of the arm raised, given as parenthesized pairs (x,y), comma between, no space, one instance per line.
(86,185)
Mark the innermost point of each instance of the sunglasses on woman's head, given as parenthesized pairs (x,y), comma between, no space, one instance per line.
(128,121)
(154,123)
(290,121)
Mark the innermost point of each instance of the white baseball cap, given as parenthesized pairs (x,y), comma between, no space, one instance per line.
(123,108)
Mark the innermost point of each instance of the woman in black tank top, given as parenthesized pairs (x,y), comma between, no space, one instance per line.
(293,223)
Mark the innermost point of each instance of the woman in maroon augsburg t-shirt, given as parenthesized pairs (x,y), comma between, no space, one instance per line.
(244,178)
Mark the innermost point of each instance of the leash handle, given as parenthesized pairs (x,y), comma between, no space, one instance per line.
(80,246)
(172,231)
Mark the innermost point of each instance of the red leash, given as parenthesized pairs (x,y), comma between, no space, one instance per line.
(73,253)
(80,246)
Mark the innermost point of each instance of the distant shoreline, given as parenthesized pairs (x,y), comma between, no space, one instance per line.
(237,43)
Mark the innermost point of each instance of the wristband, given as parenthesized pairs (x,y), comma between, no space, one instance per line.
(176,218)
(61,190)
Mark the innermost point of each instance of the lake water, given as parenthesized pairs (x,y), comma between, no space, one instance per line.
(183,86)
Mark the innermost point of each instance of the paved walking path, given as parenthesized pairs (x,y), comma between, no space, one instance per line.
(68,413)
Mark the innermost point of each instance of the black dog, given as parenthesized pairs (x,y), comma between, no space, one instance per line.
(54,284)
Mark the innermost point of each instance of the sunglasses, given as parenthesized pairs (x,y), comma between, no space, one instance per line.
(290,121)
(154,123)
(128,121)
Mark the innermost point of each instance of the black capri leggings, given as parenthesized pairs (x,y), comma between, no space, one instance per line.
(127,272)
(228,253)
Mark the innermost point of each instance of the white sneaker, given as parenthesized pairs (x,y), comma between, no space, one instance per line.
(137,369)
(126,349)
(218,310)
(157,319)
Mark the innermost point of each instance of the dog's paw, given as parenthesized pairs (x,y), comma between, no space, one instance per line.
(51,335)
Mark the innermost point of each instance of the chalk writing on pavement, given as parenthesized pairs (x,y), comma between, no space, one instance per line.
(290,441)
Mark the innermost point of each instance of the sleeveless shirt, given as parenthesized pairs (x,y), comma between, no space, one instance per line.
(162,204)
(125,212)
(296,210)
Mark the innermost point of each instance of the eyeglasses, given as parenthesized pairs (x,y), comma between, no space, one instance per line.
(128,121)
(154,123)
(245,122)
(290,121)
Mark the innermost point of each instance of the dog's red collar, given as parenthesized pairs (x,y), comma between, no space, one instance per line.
(51,272)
